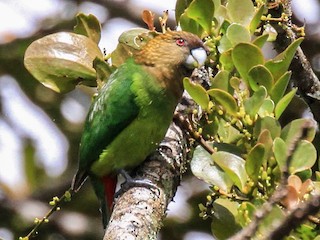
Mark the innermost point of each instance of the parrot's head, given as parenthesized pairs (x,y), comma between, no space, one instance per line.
(171,56)
(175,48)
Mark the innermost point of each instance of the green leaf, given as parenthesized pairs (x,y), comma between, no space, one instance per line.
(284,102)
(224,44)
(103,69)
(253,104)
(280,64)
(245,56)
(88,25)
(197,92)
(228,133)
(234,166)
(267,141)
(224,99)
(236,33)
(130,42)
(226,61)
(268,123)
(221,80)
(255,22)
(268,222)
(181,5)
(261,40)
(266,108)
(254,161)
(304,157)
(223,223)
(292,131)
(202,12)
(241,12)
(202,167)
(61,61)
(280,153)
(280,87)
(260,76)
(190,25)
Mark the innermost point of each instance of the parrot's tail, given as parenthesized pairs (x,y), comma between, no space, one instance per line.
(110,184)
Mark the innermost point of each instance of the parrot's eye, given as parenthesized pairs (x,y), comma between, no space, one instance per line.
(180,42)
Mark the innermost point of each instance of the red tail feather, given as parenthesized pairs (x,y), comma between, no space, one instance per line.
(110,183)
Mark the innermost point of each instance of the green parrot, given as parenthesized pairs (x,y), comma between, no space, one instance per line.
(133,110)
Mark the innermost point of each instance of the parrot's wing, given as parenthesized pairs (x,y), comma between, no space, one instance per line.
(112,111)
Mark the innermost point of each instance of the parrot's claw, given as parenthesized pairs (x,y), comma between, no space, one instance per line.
(130,183)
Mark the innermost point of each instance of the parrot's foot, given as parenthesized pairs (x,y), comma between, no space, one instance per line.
(130,183)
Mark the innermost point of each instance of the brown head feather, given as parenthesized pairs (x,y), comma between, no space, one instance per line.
(164,58)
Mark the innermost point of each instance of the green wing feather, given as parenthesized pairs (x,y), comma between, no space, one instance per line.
(112,111)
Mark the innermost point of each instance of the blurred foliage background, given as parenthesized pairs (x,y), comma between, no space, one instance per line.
(40,129)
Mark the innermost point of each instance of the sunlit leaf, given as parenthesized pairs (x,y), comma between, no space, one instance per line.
(237,33)
(224,44)
(88,25)
(267,141)
(233,165)
(245,56)
(197,92)
(260,76)
(280,64)
(202,166)
(254,161)
(241,13)
(253,104)
(103,69)
(284,102)
(62,60)
(224,99)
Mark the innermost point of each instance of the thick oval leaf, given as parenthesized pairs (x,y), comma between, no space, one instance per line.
(201,11)
(234,166)
(280,87)
(280,64)
(221,80)
(181,5)
(197,92)
(253,104)
(254,161)
(260,76)
(224,99)
(190,25)
(284,102)
(202,167)
(62,60)
(224,222)
(88,25)
(241,12)
(237,33)
(103,70)
(268,123)
(266,108)
(292,131)
(280,153)
(304,157)
(245,56)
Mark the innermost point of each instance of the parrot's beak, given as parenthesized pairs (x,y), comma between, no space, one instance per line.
(197,57)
